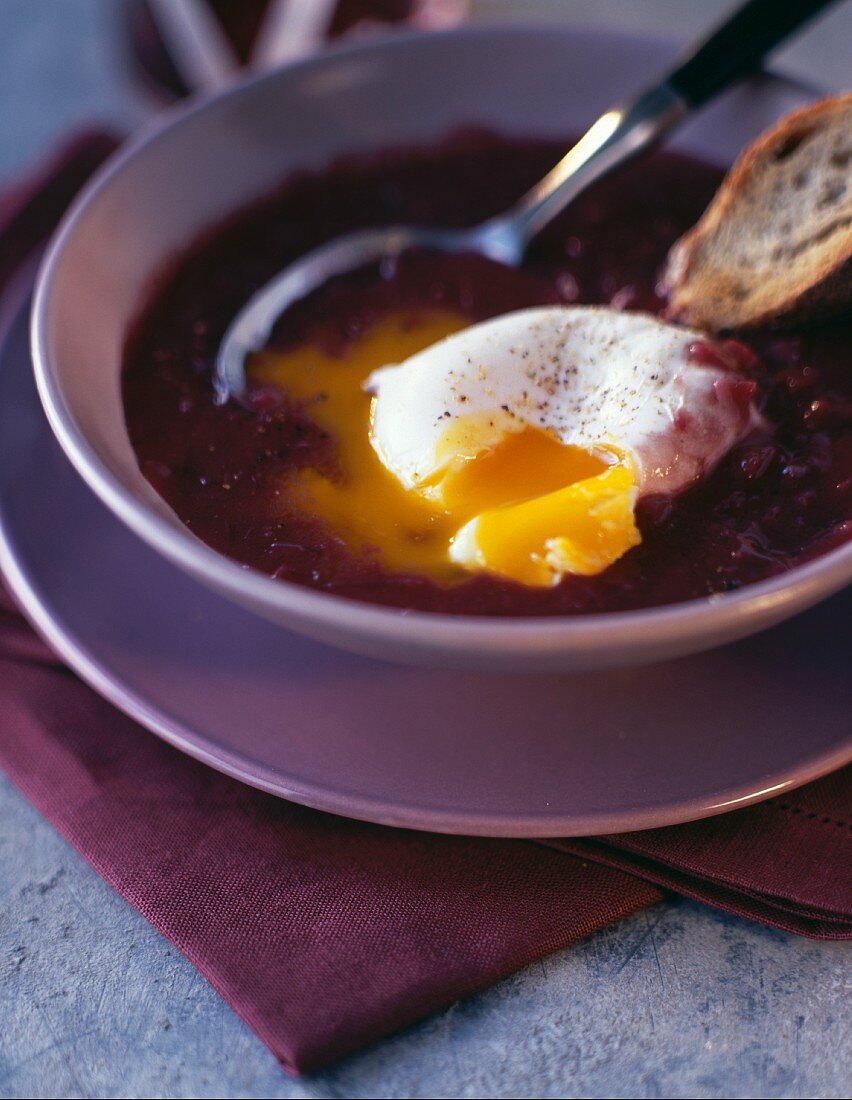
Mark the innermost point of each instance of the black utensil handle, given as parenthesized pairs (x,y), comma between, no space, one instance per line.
(739,45)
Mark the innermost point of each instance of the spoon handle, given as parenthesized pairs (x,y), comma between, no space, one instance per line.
(732,50)
(738,46)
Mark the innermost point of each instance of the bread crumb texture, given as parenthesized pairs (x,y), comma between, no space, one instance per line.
(775,244)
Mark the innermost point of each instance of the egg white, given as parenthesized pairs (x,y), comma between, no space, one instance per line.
(596,378)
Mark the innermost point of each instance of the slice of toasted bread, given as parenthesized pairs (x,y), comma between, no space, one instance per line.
(775,244)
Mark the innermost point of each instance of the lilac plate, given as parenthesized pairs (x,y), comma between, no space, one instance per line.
(441,750)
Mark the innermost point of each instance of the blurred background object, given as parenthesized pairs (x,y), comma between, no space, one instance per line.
(66,63)
(262,33)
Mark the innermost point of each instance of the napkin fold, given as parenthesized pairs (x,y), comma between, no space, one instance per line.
(325,934)
(786,862)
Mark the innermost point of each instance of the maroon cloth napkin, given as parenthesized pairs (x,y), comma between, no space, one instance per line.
(325,934)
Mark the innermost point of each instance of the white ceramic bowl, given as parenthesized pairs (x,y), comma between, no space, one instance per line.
(208,159)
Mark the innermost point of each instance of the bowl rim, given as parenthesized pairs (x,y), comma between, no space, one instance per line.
(802,585)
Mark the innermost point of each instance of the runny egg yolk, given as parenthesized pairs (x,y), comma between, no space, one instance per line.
(530,508)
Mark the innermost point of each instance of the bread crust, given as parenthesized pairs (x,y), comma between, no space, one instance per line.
(708,295)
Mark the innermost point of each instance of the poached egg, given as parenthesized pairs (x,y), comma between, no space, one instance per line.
(518,446)
(549,424)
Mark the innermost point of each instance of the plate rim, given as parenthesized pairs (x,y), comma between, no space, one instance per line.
(62,638)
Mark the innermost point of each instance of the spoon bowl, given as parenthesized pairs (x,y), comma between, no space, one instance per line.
(730,51)
(618,135)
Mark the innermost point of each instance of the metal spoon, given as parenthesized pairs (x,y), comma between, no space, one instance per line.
(733,50)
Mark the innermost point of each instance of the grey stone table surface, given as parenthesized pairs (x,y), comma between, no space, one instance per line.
(677,1001)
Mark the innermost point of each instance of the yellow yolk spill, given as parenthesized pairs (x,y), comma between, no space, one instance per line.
(539,508)
(526,463)
(526,541)
(367,506)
